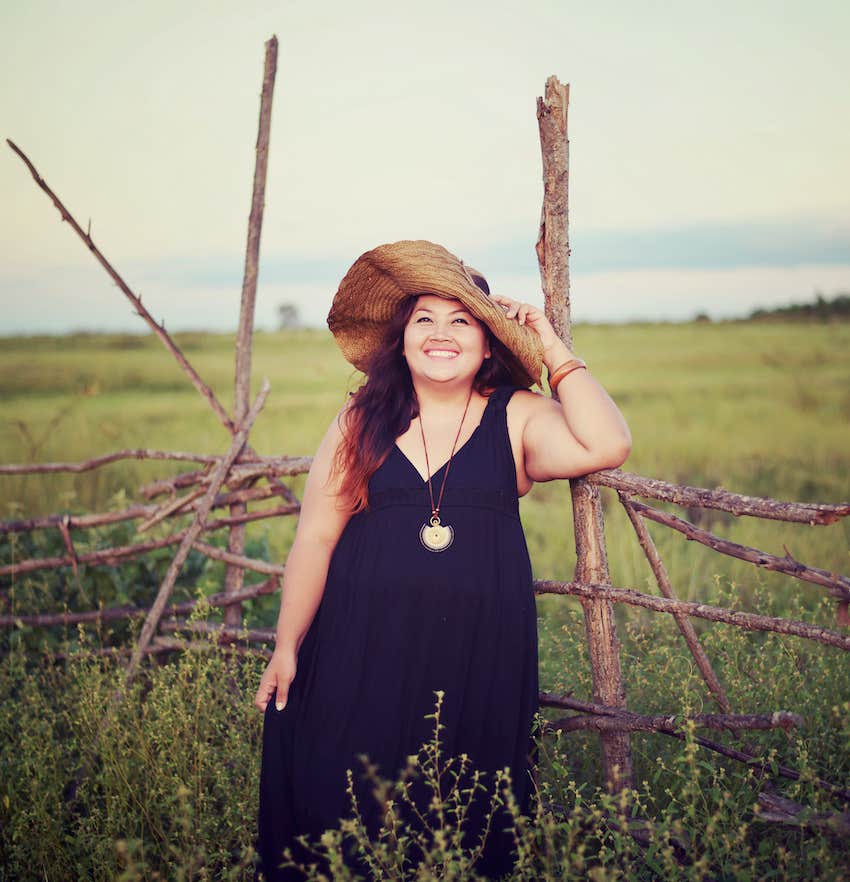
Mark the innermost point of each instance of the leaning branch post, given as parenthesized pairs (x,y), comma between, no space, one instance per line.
(553,252)
(244,338)
(156,327)
(218,477)
(684,623)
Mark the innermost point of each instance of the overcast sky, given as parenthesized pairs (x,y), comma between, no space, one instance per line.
(709,148)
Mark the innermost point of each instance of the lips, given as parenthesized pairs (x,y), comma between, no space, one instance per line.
(441,353)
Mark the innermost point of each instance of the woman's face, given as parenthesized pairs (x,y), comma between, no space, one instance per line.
(443,342)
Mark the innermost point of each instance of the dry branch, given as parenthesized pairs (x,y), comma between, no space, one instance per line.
(120,553)
(594,715)
(553,239)
(162,646)
(780,810)
(839,586)
(175,644)
(734,503)
(262,514)
(236,538)
(226,633)
(113,613)
(157,328)
(748,621)
(684,623)
(239,560)
(134,512)
(219,474)
(241,473)
(108,556)
(108,458)
(761,766)
(553,257)
(169,509)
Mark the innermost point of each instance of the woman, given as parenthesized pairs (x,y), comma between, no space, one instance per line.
(409,572)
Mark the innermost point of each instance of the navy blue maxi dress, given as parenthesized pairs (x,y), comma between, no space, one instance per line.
(398,622)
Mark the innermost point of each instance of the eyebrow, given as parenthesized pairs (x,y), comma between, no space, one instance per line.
(453,312)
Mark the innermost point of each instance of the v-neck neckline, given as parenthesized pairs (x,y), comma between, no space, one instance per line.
(423,479)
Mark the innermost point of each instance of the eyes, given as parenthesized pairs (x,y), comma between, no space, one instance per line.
(458,320)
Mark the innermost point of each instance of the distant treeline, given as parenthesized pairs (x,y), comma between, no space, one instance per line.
(821,309)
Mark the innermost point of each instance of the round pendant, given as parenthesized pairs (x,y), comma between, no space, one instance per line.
(435,536)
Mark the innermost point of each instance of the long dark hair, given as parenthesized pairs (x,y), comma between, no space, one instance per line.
(382,408)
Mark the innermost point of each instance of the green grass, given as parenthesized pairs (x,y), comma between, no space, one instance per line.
(757,408)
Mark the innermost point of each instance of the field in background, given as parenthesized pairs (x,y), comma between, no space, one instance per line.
(761,409)
(758,408)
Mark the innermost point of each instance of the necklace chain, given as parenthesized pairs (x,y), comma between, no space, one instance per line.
(435,509)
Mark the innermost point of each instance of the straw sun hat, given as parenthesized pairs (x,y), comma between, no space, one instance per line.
(381,279)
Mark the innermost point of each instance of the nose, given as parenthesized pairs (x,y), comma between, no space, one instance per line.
(440,331)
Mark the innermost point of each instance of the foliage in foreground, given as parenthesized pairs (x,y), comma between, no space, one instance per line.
(170,779)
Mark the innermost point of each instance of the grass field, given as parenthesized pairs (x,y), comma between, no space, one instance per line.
(761,409)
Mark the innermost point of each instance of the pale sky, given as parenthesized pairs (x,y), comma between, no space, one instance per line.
(709,150)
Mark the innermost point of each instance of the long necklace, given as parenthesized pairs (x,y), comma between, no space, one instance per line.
(434,535)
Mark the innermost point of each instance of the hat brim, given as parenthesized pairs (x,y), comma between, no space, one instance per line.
(379,282)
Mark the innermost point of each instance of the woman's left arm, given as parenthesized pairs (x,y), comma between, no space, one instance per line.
(583,433)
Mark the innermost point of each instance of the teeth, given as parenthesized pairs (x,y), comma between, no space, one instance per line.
(441,353)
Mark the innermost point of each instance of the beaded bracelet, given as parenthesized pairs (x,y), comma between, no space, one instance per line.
(562,370)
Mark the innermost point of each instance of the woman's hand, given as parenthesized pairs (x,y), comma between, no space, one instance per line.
(279,674)
(526,314)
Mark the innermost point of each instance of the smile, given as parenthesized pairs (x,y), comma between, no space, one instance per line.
(441,353)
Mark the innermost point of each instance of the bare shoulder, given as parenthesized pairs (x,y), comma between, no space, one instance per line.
(524,404)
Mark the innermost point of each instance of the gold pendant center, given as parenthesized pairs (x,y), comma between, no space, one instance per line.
(436,536)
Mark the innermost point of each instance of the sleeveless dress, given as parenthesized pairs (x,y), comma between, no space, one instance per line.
(398,622)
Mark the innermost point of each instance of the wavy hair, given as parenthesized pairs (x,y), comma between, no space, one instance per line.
(382,408)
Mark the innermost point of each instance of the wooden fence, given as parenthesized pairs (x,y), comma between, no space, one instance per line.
(238,479)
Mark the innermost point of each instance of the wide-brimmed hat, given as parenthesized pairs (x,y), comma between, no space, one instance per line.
(380,280)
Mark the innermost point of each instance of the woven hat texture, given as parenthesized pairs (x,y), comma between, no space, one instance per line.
(380,280)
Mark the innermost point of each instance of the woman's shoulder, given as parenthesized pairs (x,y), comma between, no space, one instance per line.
(523,403)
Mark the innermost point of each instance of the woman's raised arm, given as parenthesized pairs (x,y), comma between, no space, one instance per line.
(582,433)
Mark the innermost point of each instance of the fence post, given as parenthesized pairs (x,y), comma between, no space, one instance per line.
(553,253)
(244,337)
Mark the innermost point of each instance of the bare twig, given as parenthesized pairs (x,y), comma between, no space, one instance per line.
(749,621)
(236,538)
(780,810)
(108,614)
(156,327)
(838,585)
(684,623)
(553,238)
(226,632)
(153,617)
(553,257)
(134,512)
(734,503)
(594,715)
(169,509)
(239,560)
(97,462)
(761,766)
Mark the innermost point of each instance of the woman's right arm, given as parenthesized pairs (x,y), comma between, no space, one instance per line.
(322,519)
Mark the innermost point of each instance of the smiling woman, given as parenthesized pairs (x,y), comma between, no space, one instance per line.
(407,580)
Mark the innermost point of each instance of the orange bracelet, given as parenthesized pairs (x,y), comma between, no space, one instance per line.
(562,370)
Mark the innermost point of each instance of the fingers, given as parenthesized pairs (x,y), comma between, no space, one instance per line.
(515,309)
(264,693)
(276,679)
